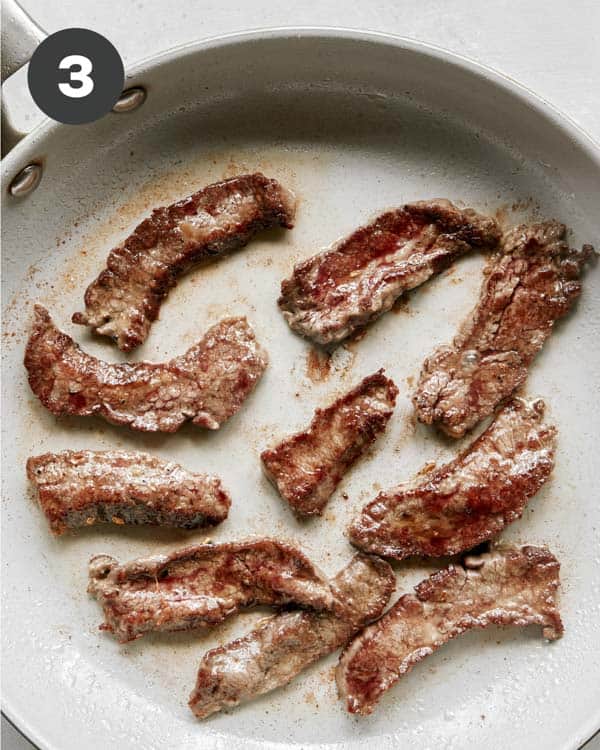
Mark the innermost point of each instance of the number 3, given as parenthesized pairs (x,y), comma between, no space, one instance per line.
(82,76)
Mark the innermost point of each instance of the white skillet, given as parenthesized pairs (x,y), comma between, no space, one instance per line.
(354,123)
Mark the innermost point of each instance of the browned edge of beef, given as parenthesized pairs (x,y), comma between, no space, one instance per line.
(275,652)
(307,467)
(526,289)
(207,385)
(126,297)
(508,586)
(202,585)
(468,500)
(82,488)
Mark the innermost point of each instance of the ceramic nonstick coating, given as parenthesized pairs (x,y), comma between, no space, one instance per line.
(354,124)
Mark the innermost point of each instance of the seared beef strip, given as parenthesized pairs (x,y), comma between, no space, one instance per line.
(527,288)
(469,500)
(282,646)
(307,467)
(126,297)
(509,586)
(341,289)
(207,384)
(81,488)
(202,585)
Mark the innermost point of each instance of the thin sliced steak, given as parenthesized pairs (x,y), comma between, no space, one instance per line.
(282,646)
(307,467)
(125,299)
(341,289)
(509,586)
(81,488)
(527,288)
(469,500)
(207,384)
(201,586)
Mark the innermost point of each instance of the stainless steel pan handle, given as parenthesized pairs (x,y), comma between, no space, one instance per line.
(20,36)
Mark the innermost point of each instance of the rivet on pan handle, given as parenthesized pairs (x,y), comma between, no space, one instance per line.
(26,181)
(20,36)
(130,99)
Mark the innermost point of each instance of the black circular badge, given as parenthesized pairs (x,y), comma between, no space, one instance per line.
(75,76)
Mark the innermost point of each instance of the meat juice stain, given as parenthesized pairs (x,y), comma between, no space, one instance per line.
(427,469)
(402,305)
(501,216)
(525,204)
(504,213)
(318,365)
(350,344)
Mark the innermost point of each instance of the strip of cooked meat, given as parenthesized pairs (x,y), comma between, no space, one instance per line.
(207,384)
(509,586)
(527,288)
(469,500)
(341,289)
(126,297)
(282,646)
(80,488)
(202,585)
(307,467)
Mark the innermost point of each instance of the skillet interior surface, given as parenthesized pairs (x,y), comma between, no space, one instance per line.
(353,124)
